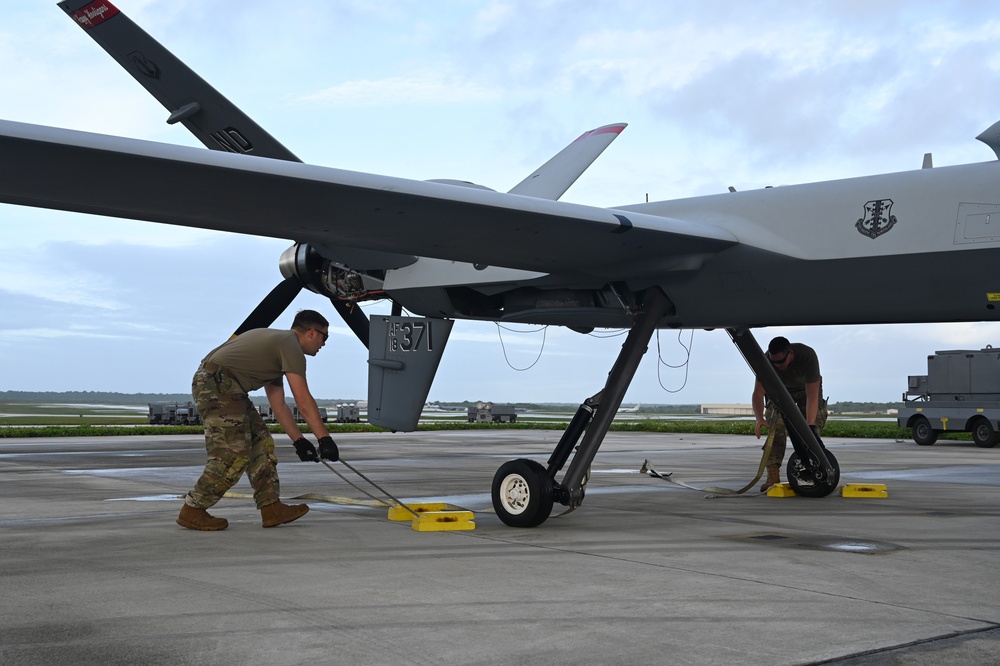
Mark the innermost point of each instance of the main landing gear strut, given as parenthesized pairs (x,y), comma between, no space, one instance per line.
(524,491)
(812,469)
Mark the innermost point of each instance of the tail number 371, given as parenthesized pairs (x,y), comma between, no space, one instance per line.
(410,336)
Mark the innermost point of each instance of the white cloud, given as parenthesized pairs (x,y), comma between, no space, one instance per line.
(22,334)
(420,89)
(79,287)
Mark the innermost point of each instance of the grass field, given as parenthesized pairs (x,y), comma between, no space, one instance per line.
(69,420)
(36,414)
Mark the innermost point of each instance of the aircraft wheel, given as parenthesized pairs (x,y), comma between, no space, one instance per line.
(522,493)
(923,433)
(983,434)
(808,480)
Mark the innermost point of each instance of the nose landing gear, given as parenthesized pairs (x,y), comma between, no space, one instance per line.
(523,490)
(523,493)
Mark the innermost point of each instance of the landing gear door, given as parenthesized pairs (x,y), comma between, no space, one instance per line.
(403,359)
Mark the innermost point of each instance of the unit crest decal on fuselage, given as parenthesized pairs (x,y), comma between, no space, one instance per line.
(878,218)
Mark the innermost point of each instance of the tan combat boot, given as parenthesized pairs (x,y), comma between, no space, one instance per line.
(276,514)
(773,478)
(200,519)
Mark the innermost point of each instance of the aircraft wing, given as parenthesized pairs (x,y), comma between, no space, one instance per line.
(104,175)
(212,118)
(221,125)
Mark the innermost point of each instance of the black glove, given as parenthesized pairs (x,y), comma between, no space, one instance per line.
(815,431)
(328,449)
(305,449)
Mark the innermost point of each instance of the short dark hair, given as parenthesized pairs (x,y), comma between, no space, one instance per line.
(778,346)
(306,319)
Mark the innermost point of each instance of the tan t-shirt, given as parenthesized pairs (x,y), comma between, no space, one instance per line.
(260,356)
(804,369)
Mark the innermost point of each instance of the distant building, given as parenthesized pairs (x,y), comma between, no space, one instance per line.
(734,409)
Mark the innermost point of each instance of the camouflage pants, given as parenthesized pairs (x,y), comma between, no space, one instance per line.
(781,434)
(236,440)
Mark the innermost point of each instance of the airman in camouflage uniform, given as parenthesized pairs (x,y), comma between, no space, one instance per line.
(797,366)
(236,438)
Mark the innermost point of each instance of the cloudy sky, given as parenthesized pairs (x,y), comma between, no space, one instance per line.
(715,94)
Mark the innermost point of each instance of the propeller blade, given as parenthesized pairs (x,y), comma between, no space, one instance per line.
(282,296)
(272,306)
(353,317)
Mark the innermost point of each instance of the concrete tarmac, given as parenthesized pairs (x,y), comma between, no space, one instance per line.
(95,570)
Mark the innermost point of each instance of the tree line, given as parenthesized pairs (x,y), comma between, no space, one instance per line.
(110,397)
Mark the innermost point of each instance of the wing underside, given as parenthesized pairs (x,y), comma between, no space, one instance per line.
(103,175)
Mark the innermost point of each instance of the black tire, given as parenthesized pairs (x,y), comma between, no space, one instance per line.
(808,480)
(923,433)
(522,493)
(984,434)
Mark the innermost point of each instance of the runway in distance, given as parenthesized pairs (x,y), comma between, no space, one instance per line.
(825,253)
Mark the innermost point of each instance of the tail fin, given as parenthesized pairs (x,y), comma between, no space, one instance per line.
(552,179)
